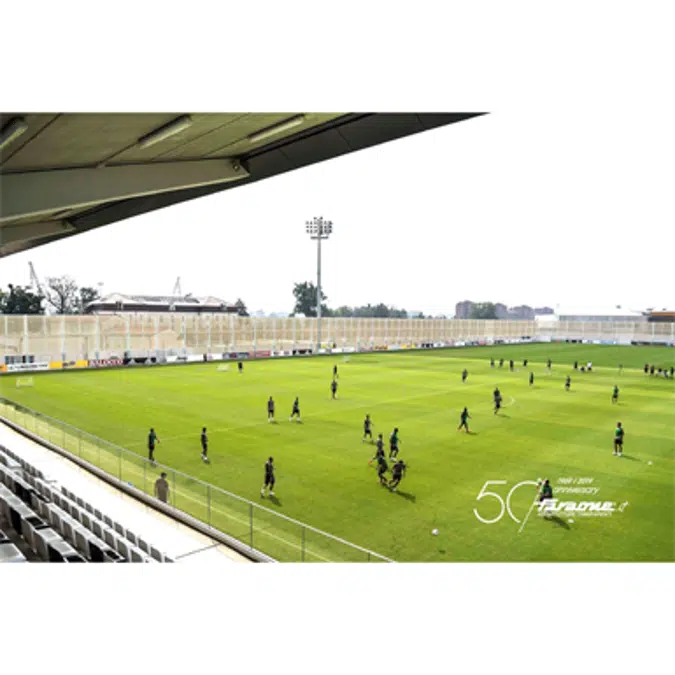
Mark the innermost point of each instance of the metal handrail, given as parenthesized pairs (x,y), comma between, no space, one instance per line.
(207,486)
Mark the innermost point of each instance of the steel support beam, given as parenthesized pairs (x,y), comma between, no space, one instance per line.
(26,231)
(43,192)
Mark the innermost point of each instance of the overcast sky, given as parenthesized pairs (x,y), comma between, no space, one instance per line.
(563,194)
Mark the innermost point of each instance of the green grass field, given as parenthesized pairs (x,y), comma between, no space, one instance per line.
(323,477)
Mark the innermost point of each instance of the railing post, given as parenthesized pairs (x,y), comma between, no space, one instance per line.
(119,452)
(250,516)
(26,345)
(294,342)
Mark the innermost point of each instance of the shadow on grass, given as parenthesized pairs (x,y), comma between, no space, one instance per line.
(406,495)
(501,414)
(632,459)
(275,500)
(557,520)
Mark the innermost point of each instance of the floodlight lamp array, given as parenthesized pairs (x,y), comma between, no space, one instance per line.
(318,227)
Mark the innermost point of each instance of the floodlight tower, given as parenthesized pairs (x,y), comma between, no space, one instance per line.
(318,229)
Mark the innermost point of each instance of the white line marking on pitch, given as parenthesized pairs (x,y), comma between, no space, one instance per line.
(534,502)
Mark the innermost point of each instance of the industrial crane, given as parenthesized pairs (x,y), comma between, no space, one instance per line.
(177,289)
(35,281)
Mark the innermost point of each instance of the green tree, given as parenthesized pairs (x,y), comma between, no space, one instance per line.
(305,299)
(380,311)
(483,310)
(62,295)
(241,308)
(87,295)
(21,301)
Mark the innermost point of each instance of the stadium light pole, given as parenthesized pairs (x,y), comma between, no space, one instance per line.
(318,229)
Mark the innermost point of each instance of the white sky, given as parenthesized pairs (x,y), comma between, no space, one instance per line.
(563,194)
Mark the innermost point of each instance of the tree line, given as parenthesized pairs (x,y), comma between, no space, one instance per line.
(61,295)
(305,303)
(483,310)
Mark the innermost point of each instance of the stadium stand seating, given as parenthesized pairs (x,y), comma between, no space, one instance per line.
(9,552)
(56,525)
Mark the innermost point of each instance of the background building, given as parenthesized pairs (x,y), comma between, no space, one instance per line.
(600,314)
(116,303)
(663,316)
(463,309)
(503,313)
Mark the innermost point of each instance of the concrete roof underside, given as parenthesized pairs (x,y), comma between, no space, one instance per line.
(62,174)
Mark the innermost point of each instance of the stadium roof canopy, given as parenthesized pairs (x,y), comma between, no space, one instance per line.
(118,302)
(62,173)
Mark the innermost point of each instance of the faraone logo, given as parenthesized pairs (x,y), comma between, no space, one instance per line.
(554,506)
(551,507)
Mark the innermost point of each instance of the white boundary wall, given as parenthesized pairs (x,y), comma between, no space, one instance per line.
(101,338)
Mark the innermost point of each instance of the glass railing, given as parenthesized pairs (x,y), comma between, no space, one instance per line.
(257,527)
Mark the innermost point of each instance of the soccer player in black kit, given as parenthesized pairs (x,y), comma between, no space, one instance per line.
(618,439)
(296,410)
(270,410)
(465,373)
(397,472)
(511,365)
(382,469)
(333,388)
(531,379)
(463,420)
(568,383)
(492,363)
(379,453)
(501,363)
(525,363)
(394,441)
(205,445)
(240,365)
(269,478)
(367,429)
(548,364)
(152,439)
(335,374)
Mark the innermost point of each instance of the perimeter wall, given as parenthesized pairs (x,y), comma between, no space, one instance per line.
(100,340)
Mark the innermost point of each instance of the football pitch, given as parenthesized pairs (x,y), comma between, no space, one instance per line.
(323,475)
